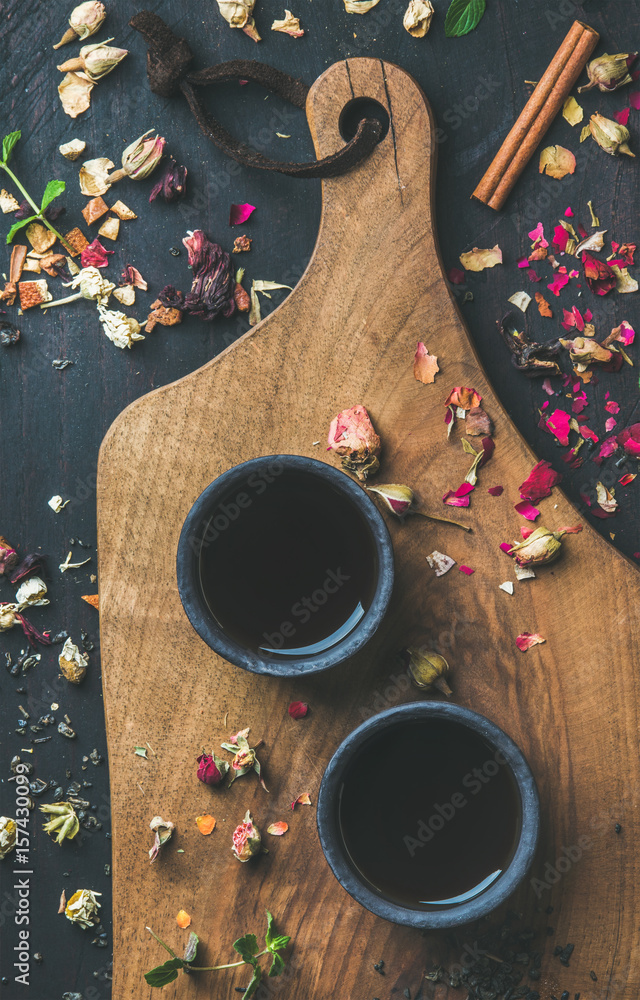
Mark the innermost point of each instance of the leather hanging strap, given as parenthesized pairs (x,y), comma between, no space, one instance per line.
(169,62)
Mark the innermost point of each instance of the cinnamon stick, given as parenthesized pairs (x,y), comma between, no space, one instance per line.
(537,115)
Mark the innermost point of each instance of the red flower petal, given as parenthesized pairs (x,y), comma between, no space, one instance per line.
(528,639)
(612,407)
(634,100)
(95,255)
(539,482)
(298,709)
(456,276)
(459,497)
(622,117)
(558,424)
(240,213)
(466,570)
(527,510)
(496,491)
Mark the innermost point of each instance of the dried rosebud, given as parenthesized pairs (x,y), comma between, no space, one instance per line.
(8,832)
(584,351)
(163,830)
(65,823)
(541,546)
(418,17)
(73,664)
(211,769)
(85,20)
(213,281)
(95,61)
(83,907)
(609,135)
(141,158)
(172,184)
(609,72)
(352,436)
(32,591)
(8,556)
(247,841)
(629,438)
(244,760)
(427,669)
(398,499)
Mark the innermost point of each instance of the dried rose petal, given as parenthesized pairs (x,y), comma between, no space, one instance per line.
(478,422)
(206,824)
(75,94)
(556,161)
(8,557)
(240,213)
(459,497)
(496,491)
(303,800)
(95,255)
(456,276)
(278,829)
(172,185)
(466,570)
(425,365)
(539,482)
(478,260)
(463,397)
(558,424)
(528,639)
(183,919)
(629,439)
(440,562)
(32,562)
(598,274)
(527,510)
(543,306)
(298,709)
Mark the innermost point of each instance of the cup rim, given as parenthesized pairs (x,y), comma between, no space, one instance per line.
(195,605)
(333,845)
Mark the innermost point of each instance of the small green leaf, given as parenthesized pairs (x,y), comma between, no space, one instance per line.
(247,947)
(164,974)
(268,938)
(52,190)
(279,942)
(192,947)
(8,143)
(277,965)
(255,982)
(17,226)
(463,16)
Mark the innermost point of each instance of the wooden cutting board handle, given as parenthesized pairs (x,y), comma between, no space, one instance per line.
(347,335)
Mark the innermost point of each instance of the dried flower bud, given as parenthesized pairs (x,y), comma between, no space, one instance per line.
(123,331)
(609,135)
(91,285)
(244,760)
(65,823)
(541,546)
(172,185)
(141,158)
(417,18)
(352,436)
(238,14)
(247,841)
(32,591)
(213,281)
(163,830)
(95,60)
(85,20)
(8,556)
(241,298)
(83,907)
(398,499)
(73,664)
(211,769)
(8,616)
(609,72)
(427,669)
(8,832)
(584,351)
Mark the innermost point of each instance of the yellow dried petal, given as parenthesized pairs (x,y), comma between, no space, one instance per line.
(110,228)
(75,94)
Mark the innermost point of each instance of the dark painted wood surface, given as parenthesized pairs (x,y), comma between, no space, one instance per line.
(52,422)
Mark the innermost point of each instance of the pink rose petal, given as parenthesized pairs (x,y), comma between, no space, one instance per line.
(558,424)
(496,491)
(569,212)
(558,283)
(459,497)
(622,117)
(610,424)
(539,482)
(456,276)
(240,213)
(634,100)
(466,570)
(612,407)
(528,639)
(527,510)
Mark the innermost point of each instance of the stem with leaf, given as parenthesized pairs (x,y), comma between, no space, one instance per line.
(52,190)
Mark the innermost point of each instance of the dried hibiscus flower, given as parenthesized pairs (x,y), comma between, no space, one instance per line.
(213,281)
(95,255)
(527,356)
(247,841)
(353,438)
(172,185)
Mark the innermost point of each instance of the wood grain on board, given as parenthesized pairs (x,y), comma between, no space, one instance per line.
(373,288)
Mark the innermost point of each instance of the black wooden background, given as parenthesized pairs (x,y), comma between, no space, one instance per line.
(53,421)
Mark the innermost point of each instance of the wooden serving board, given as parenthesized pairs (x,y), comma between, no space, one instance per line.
(347,335)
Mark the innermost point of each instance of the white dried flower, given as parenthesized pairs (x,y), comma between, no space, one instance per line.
(122,330)
(83,907)
(32,591)
(7,836)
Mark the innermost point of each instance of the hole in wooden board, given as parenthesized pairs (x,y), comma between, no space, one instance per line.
(354,111)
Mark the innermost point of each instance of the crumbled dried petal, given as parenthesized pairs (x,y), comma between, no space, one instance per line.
(629,439)
(440,562)
(32,591)
(605,500)
(463,397)
(73,664)
(40,238)
(539,482)
(459,497)
(8,557)
(624,282)
(359,6)
(558,424)
(572,111)
(83,907)
(425,365)
(8,833)
(73,149)
(92,599)
(278,829)
(125,294)
(110,228)
(303,800)
(95,255)
(556,161)
(495,491)
(8,203)
(298,709)
(162,315)
(94,176)
(123,331)
(247,841)
(289,25)
(584,351)
(521,300)
(124,214)
(242,244)
(95,209)
(172,185)
(507,586)
(528,639)
(32,293)
(417,18)
(478,260)
(163,830)
(206,824)
(466,570)
(131,276)
(236,12)
(478,422)
(76,240)
(75,94)
(353,438)
(53,264)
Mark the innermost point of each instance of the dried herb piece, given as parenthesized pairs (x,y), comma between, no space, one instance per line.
(172,185)
(353,438)
(8,832)
(160,314)
(527,356)
(163,830)
(64,824)
(124,214)
(247,841)
(83,907)
(73,149)
(213,281)
(33,293)
(289,25)
(85,20)
(427,669)
(242,244)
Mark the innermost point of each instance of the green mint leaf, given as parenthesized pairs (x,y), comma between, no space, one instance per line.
(8,143)
(268,938)
(463,16)
(255,982)
(52,190)
(280,941)
(247,947)
(17,226)
(277,965)
(192,947)
(164,974)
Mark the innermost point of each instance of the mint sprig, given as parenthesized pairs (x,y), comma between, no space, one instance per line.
(246,946)
(463,16)
(52,190)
